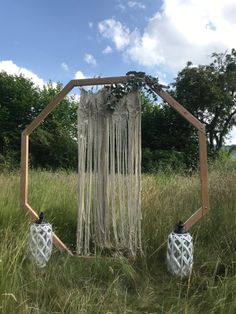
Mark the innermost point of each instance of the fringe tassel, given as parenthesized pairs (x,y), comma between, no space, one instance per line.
(109,170)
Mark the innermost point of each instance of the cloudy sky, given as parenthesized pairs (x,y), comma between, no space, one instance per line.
(63,39)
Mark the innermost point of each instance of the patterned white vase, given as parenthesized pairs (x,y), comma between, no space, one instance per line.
(40,243)
(180,254)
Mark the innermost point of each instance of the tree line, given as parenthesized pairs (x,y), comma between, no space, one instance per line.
(207,91)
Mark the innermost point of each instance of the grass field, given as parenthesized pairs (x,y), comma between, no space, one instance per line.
(72,285)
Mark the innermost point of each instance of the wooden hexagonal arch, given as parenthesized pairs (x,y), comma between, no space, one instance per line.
(113,80)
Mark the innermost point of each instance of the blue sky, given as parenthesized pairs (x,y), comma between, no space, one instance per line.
(61,40)
(42,36)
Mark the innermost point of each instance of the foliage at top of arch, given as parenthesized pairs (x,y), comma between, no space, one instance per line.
(136,81)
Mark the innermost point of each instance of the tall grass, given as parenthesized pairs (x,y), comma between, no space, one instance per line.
(73,285)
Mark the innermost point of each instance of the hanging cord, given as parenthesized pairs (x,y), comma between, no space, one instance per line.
(107,136)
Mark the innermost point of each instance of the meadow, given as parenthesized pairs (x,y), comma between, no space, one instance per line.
(75,285)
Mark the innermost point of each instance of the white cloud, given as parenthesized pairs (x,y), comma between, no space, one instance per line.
(136,5)
(120,7)
(130,4)
(116,32)
(107,50)
(64,66)
(180,31)
(162,78)
(90,24)
(12,69)
(79,75)
(90,59)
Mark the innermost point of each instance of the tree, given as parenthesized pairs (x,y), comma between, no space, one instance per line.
(168,141)
(18,97)
(209,92)
(53,144)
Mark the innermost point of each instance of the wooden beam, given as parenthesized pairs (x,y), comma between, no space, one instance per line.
(24,169)
(193,219)
(24,189)
(45,112)
(203,171)
(179,108)
(204,182)
(100,80)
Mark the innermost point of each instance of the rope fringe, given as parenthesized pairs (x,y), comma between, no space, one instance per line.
(109,170)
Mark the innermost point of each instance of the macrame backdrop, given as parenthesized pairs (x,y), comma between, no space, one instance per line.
(109,170)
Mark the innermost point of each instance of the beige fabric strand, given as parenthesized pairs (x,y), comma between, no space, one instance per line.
(109,170)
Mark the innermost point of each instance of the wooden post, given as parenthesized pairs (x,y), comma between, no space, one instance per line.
(202,152)
(24,169)
(49,108)
(179,108)
(203,171)
(24,190)
(193,219)
(100,81)
(204,181)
